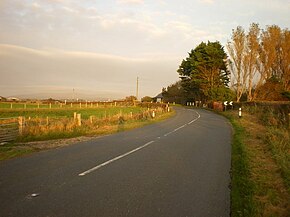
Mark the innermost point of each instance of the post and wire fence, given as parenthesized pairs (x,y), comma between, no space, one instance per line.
(15,128)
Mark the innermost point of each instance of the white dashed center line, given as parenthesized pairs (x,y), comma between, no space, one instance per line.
(136,149)
(114,159)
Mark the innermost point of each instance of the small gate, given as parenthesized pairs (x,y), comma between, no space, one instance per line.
(9,129)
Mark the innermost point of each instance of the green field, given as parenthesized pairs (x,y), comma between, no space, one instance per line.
(58,123)
(20,105)
(99,112)
(61,122)
(54,105)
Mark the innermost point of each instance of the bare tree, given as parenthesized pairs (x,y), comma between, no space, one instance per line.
(285,59)
(251,57)
(236,49)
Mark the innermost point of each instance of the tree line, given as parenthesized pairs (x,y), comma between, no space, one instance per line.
(255,67)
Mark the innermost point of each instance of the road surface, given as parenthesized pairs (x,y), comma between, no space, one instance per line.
(179,167)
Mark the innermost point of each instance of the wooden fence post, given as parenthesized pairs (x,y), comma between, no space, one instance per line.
(153,114)
(50,105)
(91,119)
(75,116)
(71,104)
(47,121)
(79,120)
(80,104)
(20,124)
(11,106)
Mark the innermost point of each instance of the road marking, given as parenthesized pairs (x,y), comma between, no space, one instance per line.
(195,118)
(198,116)
(114,159)
(168,133)
(179,128)
(134,150)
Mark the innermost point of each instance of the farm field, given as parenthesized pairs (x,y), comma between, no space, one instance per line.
(99,112)
(31,127)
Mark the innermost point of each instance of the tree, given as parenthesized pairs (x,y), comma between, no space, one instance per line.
(251,56)
(204,73)
(274,60)
(174,93)
(285,59)
(146,99)
(271,90)
(236,49)
(259,57)
(130,98)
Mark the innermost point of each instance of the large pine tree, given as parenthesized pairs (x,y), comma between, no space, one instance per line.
(204,72)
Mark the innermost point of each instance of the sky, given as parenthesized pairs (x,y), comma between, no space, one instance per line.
(98,48)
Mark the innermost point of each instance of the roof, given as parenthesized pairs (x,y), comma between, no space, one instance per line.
(159,96)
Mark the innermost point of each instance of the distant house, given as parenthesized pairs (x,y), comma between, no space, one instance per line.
(158,98)
(2,98)
(50,100)
(13,99)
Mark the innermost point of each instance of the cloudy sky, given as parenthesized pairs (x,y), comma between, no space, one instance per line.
(99,47)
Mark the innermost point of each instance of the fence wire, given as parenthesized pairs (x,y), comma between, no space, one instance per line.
(9,129)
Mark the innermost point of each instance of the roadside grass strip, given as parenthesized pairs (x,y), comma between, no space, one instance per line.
(260,168)
(242,203)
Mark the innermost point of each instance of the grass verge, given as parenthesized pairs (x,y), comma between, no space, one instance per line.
(242,188)
(60,139)
(260,164)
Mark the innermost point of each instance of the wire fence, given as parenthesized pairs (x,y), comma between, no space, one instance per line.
(38,126)
(20,127)
(64,105)
(9,129)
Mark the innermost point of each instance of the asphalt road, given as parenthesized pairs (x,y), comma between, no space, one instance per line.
(179,167)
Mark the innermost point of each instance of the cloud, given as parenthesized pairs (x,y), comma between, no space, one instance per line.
(33,72)
(207,1)
(69,25)
(67,39)
(130,1)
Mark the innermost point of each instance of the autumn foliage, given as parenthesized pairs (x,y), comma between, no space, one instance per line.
(260,62)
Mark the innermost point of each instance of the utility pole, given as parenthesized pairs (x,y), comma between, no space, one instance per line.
(137,89)
(73,98)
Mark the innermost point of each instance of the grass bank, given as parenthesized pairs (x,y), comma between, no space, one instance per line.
(260,165)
